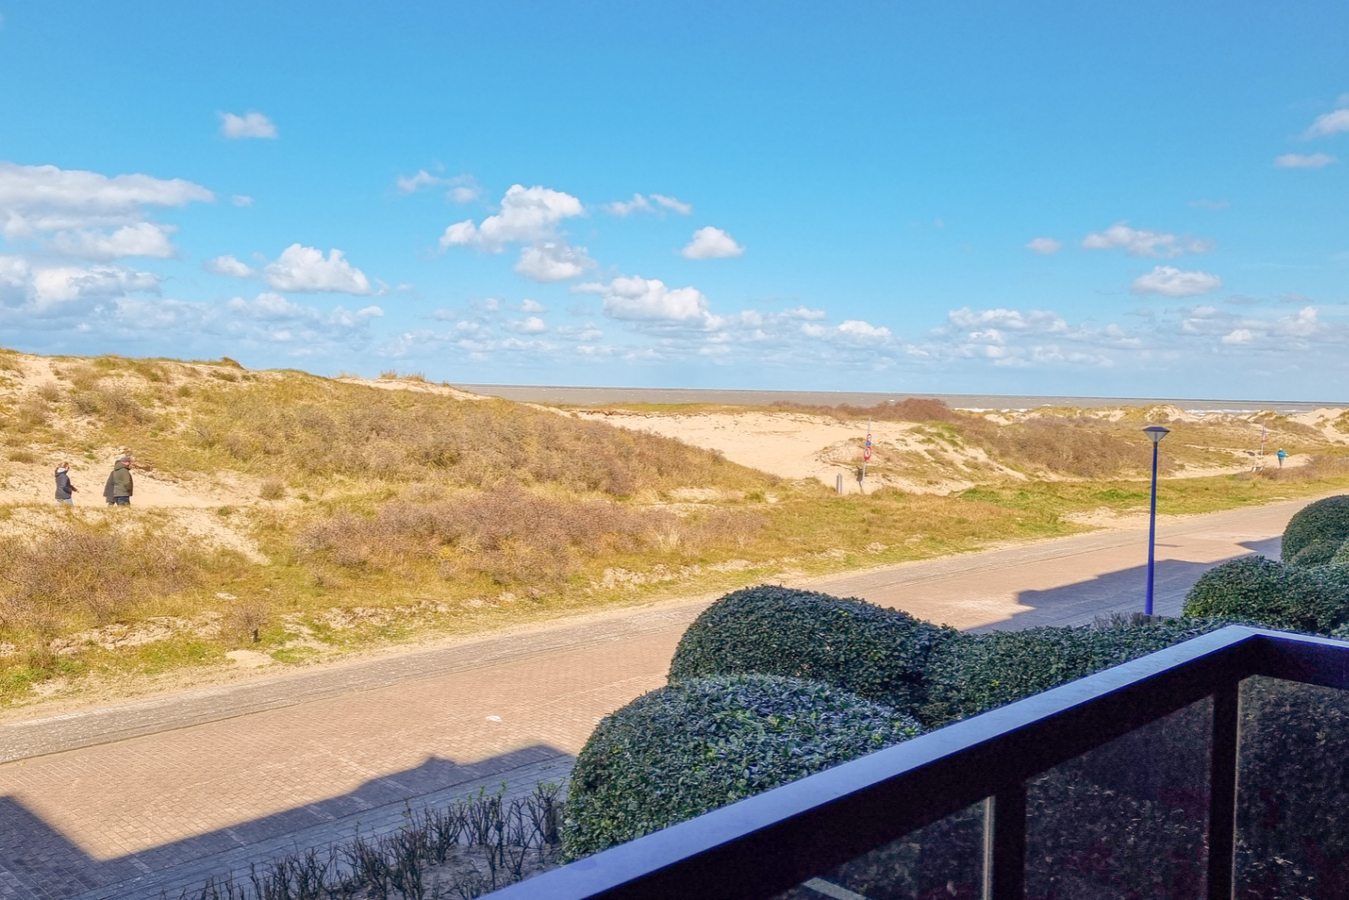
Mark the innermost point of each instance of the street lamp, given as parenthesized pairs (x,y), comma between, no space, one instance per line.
(1155,433)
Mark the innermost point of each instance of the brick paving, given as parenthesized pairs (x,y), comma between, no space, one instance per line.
(158,795)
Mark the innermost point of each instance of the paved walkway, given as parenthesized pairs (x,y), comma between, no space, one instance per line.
(160,794)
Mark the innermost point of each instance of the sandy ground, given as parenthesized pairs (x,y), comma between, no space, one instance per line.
(904,455)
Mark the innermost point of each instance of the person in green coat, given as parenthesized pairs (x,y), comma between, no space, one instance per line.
(120,484)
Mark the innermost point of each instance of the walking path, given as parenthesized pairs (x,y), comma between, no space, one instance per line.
(157,795)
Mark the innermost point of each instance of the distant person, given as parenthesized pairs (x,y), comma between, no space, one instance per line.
(120,484)
(63,486)
(1282,454)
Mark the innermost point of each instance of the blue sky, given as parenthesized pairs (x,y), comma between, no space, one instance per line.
(1092,199)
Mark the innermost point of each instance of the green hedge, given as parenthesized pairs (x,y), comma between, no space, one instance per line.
(1270,593)
(868,650)
(1324,523)
(702,743)
(1341,557)
(978,672)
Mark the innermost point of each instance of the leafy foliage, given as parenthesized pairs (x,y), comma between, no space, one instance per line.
(699,744)
(868,650)
(977,672)
(1323,524)
(1271,593)
(1294,743)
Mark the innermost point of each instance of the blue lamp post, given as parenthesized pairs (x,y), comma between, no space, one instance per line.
(1155,433)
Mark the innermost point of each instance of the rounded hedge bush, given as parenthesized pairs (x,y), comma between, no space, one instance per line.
(877,653)
(1325,522)
(1266,592)
(1341,557)
(702,743)
(979,672)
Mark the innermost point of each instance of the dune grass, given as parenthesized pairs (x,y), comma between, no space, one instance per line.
(382,516)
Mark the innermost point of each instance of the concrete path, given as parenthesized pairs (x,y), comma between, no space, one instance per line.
(158,795)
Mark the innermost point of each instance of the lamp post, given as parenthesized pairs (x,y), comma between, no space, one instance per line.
(1155,433)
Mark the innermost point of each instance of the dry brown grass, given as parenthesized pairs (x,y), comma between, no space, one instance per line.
(330,430)
(272,488)
(241,625)
(1319,468)
(77,575)
(1082,448)
(513,536)
(911,409)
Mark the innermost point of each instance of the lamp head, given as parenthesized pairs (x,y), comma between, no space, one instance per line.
(1156,433)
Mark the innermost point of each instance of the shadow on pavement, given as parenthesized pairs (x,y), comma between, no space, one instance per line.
(1082,602)
(37,861)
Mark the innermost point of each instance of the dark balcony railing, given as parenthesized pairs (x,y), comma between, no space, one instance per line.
(771,842)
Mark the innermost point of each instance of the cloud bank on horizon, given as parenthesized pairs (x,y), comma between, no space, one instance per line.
(759,235)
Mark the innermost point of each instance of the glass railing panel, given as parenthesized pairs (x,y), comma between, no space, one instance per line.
(1292,791)
(1127,819)
(943,859)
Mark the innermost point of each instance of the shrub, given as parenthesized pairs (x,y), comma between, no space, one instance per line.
(1341,557)
(1324,522)
(1261,590)
(1317,553)
(973,673)
(876,653)
(694,746)
(272,489)
(78,575)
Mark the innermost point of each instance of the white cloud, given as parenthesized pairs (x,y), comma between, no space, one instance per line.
(529,325)
(66,284)
(1036,321)
(553,261)
(1172,282)
(1044,245)
(864,330)
(267,321)
(1297,333)
(241,200)
(1329,123)
(37,200)
(249,125)
(640,299)
(532,306)
(464,189)
(673,204)
(304,269)
(228,265)
(623,208)
(712,243)
(141,239)
(528,215)
(639,203)
(1138,242)
(1304,161)
(414,183)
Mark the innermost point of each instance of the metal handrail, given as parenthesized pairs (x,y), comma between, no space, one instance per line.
(760,846)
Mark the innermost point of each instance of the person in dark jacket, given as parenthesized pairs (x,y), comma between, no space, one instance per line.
(63,486)
(120,485)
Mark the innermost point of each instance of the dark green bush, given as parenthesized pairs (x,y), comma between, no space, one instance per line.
(1325,522)
(1341,557)
(702,743)
(1318,553)
(868,650)
(1270,593)
(977,672)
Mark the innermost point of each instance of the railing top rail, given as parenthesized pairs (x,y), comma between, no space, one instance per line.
(779,838)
